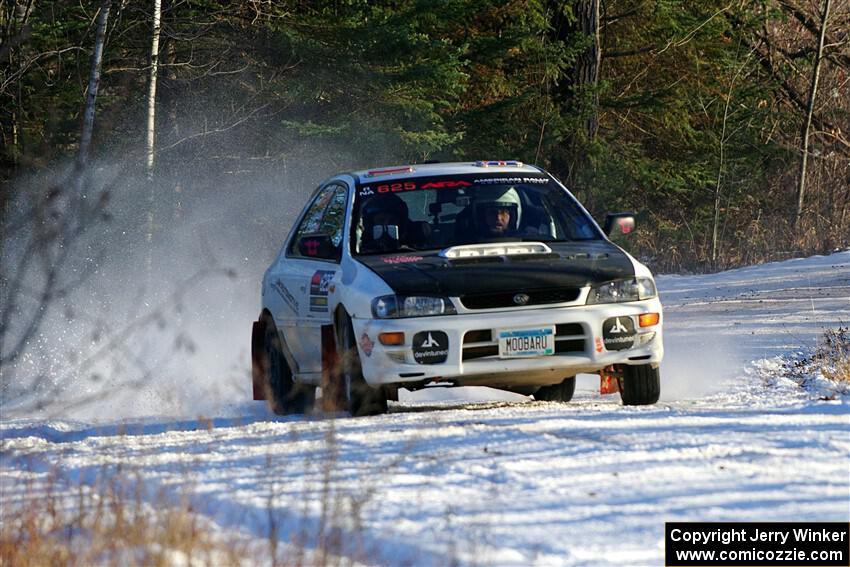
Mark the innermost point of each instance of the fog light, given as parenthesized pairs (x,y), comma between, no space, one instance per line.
(391,339)
(649,319)
(644,338)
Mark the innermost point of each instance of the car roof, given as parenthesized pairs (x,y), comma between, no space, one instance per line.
(456,168)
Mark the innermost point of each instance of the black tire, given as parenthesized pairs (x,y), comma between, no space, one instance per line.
(284,394)
(640,385)
(562,392)
(355,395)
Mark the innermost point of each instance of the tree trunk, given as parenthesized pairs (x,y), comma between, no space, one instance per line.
(801,186)
(586,75)
(94,83)
(151,131)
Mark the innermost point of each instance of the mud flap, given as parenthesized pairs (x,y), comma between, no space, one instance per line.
(258,362)
(330,393)
(608,382)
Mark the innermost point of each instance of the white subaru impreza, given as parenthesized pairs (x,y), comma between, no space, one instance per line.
(456,274)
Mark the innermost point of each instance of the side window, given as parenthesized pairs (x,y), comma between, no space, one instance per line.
(335,216)
(320,233)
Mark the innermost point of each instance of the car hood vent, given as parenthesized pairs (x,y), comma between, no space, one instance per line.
(495,249)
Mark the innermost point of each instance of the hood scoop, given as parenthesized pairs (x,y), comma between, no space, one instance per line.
(495,249)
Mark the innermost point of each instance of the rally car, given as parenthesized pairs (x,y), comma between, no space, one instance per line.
(488,273)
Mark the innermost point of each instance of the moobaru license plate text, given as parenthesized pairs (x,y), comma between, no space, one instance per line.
(527,342)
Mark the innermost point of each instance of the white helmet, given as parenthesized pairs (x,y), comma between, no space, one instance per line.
(501,197)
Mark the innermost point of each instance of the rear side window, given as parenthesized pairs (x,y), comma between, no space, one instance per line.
(324,218)
(334,216)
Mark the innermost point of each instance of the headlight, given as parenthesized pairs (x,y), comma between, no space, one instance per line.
(618,291)
(395,306)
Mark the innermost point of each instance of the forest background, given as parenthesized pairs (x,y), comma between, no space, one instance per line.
(724,125)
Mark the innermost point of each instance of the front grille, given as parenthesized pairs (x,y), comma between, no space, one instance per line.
(570,338)
(479,336)
(568,329)
(471,353)
(506,299)
(576,345)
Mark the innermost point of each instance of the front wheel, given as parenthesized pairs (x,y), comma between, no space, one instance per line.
(351,390)
(562,392)
(640,385)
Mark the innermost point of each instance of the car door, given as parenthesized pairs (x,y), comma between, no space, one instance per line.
(310,265)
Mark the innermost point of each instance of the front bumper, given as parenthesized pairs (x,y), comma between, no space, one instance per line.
(472,352)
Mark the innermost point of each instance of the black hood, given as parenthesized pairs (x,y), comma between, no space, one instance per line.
(570,265)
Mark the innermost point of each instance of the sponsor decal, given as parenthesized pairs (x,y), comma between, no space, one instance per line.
(511,180)
(617,328)
(410,186)
(320,284)
(366,344)
(430,347)
(599,347)
(618,333)
(287,296)
(320,281)
(444,184)
(396,187)
(401,259)
(319,304)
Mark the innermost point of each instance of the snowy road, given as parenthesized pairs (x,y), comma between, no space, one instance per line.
(516,481)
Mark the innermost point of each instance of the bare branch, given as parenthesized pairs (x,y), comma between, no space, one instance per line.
(214,131)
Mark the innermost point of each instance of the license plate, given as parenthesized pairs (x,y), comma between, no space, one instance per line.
(519,343)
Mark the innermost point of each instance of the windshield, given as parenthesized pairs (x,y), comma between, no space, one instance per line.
(427,213)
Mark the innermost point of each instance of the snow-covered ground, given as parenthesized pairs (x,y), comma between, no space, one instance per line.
(513,481)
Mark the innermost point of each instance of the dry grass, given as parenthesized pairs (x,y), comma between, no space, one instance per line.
(825,371)
(51,518)
(833,355)
(49,522)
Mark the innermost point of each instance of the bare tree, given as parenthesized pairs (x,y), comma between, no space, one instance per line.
(154,58)
(813,91)
(151,135)
(94,83)
(718,186)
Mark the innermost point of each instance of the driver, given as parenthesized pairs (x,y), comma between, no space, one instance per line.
(497,212)
(385,220)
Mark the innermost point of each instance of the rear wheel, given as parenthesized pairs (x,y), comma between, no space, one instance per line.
(640,385)
(285,395)
(562,392)
(351,390)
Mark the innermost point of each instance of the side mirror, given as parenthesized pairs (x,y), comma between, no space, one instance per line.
(619,223)
(317,245)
